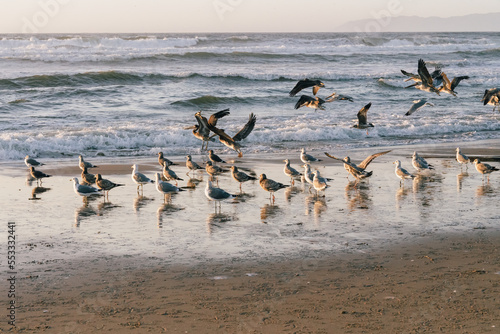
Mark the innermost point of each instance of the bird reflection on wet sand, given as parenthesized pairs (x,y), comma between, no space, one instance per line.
(317,204)
(217,220)
(401,194)
(357,195)
(268,211)
(192,183)
(36,191)
(290,192)
(166,209)
(460,180)
(85,211)
(484,190)
(141,201)
(105,207)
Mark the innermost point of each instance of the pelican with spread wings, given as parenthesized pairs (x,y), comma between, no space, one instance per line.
(233,142)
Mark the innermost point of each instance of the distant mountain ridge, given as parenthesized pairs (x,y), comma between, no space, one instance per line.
(472,22)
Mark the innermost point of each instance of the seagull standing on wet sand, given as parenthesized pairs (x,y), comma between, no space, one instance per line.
(170,175)
(32,162)
(84,190)
(484,168)
(214,157)
(307,158)
(217,194)
(87,178)
(462,159)
(420,163)
(306,83)
(240,176)
(139,178)
(319,183)
(165,188)
(38,175)
(290,171)
(402,173)
(363,119)
(270,185)
(105,185)
(191,165)
(213,170)
(162,160)
(82,163)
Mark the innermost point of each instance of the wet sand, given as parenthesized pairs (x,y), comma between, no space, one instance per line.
(375,258)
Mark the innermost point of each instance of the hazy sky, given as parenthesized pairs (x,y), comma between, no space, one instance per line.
(74,16)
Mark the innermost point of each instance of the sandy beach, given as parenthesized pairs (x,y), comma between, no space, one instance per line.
(372,258)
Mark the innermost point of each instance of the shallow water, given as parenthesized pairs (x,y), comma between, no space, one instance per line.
(378,213)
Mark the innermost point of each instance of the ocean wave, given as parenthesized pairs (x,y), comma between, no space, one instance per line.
(209,100)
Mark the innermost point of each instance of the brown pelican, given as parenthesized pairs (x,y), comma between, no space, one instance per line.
(449,87)
(435,75)
(306,83)
(492,97)
(338,97)
(417,105)
(233,142)
(311,102)
(426,83)
(363,119)
(202,130)
(358,171)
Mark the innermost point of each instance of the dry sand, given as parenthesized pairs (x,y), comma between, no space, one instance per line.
(377,259)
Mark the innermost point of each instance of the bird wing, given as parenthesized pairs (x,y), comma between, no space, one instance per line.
(343,160)
(245,131)
(362,117)
(303,100)
(212,121)
(369,159)
(424,73)
(221,134)
(436,76)
(415,77)
(456,81)
(305,83)
(202,124)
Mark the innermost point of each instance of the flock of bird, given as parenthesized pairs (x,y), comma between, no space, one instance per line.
(205,129)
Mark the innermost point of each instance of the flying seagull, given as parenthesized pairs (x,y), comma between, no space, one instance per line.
(306,83)
(363,119)
(417,105)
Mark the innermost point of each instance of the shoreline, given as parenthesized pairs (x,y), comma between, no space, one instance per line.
(438,283)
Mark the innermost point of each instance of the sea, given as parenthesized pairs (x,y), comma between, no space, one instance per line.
(120,95)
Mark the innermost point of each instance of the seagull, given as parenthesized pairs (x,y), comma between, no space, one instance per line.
(419,163)
(38,175)
(217,194)
(401,172)
(492,97)
(417,105)
(191,165)
(165,188)
(202,130)
(32,162)
(290,171)
(358,171)
(484,168)
(307,158)
(87,178)
(105,185)
(319,183)
(83,163)
(426,83)
(363,119)
(449,87)
(270,185)
(170,174)
(83,190)
(338,97)
(213,170)
(311,102)
(308,175)
(306,83)
(239,176)
(233,142)
(214,158)
(162,160)
(462,159)
(139,178)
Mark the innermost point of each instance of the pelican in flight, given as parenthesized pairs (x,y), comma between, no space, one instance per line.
(417,105)
(338,97)
(233,142)
(202,130)
(426,83)
(435,75)
(306,83)
(363,119)
(311,102)
(492,97)
(449,87)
